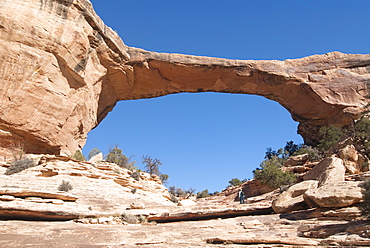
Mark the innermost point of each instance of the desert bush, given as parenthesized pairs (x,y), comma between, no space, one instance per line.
(290,148)
(365,205)
(136,175)
(115,156)
(236,182)
(152,165)
(179,192)
(164,178)
(65,186)
(93,152)
(203,194)
(314,153)
(174,198)
(19,165)
(362,134)
(17,149)
(79,156)
(133,219)
(330,136)
(270,174)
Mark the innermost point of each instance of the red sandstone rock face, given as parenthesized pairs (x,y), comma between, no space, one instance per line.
(62,70)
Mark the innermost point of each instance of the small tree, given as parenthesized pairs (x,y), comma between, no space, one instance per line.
(203,194)
(270,174)
(291,148)
(164,178)
(362,134)
(281,153)
(179,192)
(115,156)
(17,149)
(152,165)
(93,152)
(79,156)
(236,182)
(314,153)
(330,136)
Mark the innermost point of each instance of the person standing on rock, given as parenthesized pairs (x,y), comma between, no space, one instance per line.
(241,196)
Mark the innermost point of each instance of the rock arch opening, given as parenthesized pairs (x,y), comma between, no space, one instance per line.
(203,139)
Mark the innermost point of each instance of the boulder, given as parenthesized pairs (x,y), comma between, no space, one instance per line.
(329,170)
(353,161)
(292,199)
(97,158)
(334,195)
(137,205)
(297,160)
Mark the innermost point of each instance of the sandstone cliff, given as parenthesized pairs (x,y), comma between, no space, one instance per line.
(62,70)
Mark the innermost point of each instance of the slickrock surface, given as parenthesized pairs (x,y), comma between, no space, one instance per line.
(103,201)
(62,70)
(252,231)
(98,189)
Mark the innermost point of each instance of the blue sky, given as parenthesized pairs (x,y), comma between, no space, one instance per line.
(206,139)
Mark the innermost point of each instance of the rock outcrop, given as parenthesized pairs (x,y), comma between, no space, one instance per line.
(334,195)
(98,189)
(62,70)
(329,170)
(292,199)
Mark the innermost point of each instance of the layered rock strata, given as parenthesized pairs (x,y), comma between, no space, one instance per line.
(62,70)
(98,189)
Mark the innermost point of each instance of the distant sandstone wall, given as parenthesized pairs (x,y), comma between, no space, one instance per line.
(62,70)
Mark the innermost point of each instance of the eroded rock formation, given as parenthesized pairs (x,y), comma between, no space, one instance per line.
(62,70)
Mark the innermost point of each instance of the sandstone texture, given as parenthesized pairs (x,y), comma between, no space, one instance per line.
(292,199)
(340,194)
(108,208)
(62,70)
(329,170)
(99,188)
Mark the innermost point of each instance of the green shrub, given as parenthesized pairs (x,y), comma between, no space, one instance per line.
(152,165)
(203,194)
(330,136)
(164,178)
(236,182)
(133,219)
(115,156)
(19,165)
(65,186)
(290,148)
(362,134)
(270,174)
(365,205)
(79,156)
(314,153)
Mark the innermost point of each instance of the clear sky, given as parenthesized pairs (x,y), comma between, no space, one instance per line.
(206,139)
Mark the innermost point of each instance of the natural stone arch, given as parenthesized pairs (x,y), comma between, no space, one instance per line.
(62,73)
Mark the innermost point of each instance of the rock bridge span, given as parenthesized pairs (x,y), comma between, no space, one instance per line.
(62,70)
